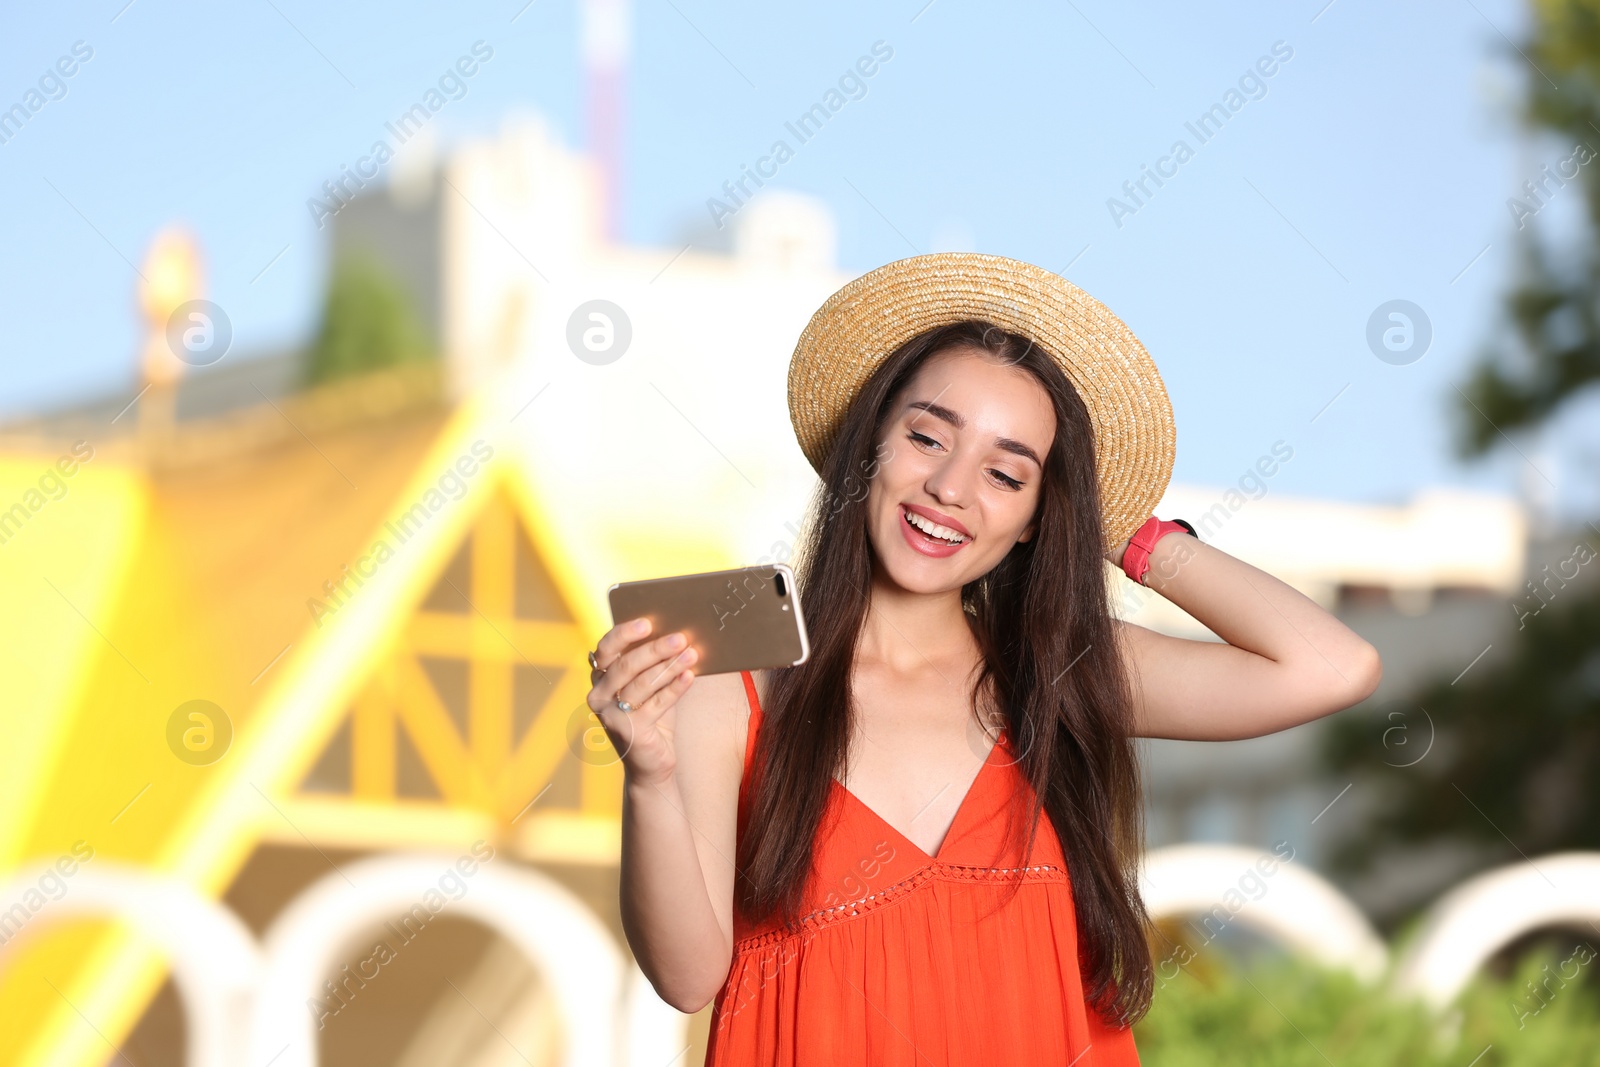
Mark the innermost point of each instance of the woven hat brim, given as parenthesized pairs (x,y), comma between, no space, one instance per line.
(865,321)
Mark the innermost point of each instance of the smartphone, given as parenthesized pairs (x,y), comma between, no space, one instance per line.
(744,619)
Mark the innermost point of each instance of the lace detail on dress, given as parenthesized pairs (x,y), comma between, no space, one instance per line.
(809,925)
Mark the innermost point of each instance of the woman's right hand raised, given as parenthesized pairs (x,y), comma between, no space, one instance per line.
(650,674)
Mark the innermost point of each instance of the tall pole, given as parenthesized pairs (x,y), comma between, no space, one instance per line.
(605,59)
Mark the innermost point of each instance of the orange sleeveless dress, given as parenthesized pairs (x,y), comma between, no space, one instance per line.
(904,959)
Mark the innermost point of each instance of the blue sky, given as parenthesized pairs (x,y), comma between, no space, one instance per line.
(1375,165)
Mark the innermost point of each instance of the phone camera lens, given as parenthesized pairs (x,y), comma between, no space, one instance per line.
(781,590)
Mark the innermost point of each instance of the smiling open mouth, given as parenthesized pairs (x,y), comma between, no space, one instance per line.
(933,529)
(929,536)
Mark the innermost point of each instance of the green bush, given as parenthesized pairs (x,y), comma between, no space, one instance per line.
(368,322)
(1283,1013)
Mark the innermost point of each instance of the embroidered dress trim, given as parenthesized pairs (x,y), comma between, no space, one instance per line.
(810,924)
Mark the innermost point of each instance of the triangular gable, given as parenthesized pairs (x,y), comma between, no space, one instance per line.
(484,685)
(317,685)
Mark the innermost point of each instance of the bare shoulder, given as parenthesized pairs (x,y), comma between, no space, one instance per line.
(710,728)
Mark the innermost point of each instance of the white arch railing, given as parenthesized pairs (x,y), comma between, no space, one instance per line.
(560,936)
(212,954)
(240,998)
(1217,885)
(1484,914)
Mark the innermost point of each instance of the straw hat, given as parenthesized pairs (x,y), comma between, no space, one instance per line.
(863,323)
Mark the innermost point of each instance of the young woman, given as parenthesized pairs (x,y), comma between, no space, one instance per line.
(921,845)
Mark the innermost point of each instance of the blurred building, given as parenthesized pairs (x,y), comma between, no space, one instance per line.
(1432,584)
(383,589)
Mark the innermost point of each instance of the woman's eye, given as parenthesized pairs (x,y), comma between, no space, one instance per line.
(923,439)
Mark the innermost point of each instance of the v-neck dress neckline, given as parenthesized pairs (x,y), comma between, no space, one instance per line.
(973,787)
(904,959)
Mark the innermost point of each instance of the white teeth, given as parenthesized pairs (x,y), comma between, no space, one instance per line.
(927,526)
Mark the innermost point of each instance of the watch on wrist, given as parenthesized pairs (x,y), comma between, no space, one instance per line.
(1136,557)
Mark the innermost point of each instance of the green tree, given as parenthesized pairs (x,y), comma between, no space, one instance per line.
(1553,350)
(368,322)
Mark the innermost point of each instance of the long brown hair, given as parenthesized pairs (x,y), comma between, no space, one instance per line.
(1042,621)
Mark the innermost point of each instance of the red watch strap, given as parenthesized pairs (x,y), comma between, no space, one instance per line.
(1136,557)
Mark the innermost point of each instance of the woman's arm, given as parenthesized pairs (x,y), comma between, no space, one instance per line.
(678,841)
(683,756)
(1286,661)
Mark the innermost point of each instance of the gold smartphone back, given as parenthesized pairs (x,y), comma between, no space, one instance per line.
(740,620)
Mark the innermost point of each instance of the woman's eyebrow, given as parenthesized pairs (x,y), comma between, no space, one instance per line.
(956,419)
(939,411)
